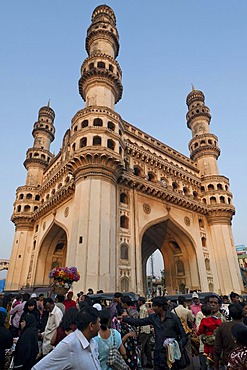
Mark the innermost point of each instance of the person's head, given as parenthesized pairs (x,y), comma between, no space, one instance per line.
(234,297)
(182,300)
(60,298)
(160,304)
(90,291)
(28,321)
(195,298)
(85,303)
(41,297)
(141,301)
(48,304)
(117,297)
(1,295)
(69,320)
(88,322)
(30,305)
(126,301)
(225,299)
(105,318)
(19,297)
(244,305)
(215,302)
(206,310)
(100,291)
(26,297)
(239,333)
(235,311)
(69,296)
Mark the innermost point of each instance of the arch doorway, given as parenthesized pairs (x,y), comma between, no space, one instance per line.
(178,253)
(52,254)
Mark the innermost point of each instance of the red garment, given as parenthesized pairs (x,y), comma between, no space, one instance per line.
(207,326)
(69,303)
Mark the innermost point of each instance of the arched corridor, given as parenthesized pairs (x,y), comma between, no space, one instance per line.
(178,253)
(52,253)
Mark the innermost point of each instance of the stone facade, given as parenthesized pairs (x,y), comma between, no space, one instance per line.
(114,194)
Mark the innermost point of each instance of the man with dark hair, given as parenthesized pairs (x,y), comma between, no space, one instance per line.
(234,297)
(60,302)
(166,325)
(224,342)
(54,319)
(115,305)
(127,304)
(78,350)
(215,302)
(69,302)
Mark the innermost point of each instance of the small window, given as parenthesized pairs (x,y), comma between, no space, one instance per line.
(210,187)
(219,187)
(207,264)
(124,222)
(212,200)
(204,241)
(110,144)
(19,209)
(21,196)
(97,140)
(26,208)
(201,223)
(37,197)
(101,65)
(75,129)
(34,244)
(137,171)
(97,122)
(83,142)
(124,198)
(222,200)
(111,126)
(151,177)
(35,208)
(124,252)
(180,267)
(73,147)
(84,123)
(91,66)
(110,67)
(29,196)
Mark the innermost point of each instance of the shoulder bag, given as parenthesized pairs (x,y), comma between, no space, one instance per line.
(115,359)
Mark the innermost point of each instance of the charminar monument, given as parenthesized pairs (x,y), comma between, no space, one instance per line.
(113,194)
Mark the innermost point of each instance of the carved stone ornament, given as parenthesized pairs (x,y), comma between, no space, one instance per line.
(66,212)
(187,221)
(146,208)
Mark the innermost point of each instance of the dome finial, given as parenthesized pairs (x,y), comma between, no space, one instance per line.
(192,87)
(48,104)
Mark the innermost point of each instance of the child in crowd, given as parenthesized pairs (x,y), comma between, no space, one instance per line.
(207,329)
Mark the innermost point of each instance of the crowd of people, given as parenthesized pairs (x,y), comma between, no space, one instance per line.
(63,333)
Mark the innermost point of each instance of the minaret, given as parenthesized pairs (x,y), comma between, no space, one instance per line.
(215,192)
(97,156)
(39,156)
(203,145)
(37,159)
(28,197)
(100,82)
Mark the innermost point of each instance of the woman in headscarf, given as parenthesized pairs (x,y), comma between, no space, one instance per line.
(31,308)
(27,346)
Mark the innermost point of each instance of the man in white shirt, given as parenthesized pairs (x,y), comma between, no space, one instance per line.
(78,350)
(54,319)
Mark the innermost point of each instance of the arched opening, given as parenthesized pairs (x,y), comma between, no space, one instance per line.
(151,177)
(29,196)
(110,144)
(111,126)
(155,279)
(97,140)
(210,187)
(101,65)
(124,198)
(124,251)
(97,122)
(84,123)
(222,199)
(27,208)
(52,253)
(125,284)
(137,171)
(178,255)
(124,222)
(212,200)
(83,142)
(207,264)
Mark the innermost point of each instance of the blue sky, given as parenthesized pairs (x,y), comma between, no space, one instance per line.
(164,47)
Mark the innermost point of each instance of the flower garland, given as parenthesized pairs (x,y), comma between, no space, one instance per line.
(64,275)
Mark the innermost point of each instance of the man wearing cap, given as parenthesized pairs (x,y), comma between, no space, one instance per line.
(144,336)
(196,305)
(69,302)
(166,325)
